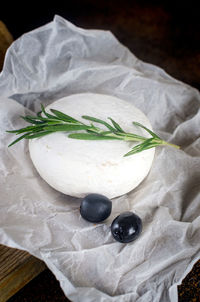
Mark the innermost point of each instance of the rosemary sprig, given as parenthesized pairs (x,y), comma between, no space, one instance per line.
(58,121)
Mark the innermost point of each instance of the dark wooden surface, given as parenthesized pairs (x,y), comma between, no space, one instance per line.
(163,33)
(5,41)
(17,268)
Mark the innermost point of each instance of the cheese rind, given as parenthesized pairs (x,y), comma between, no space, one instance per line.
(79,167)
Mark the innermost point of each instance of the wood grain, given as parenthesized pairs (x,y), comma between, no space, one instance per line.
(17,268)
(5,40)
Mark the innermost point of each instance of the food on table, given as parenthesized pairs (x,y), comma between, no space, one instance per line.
(76,157)
(126,227)
(46,124)
(78,167)
(95,207)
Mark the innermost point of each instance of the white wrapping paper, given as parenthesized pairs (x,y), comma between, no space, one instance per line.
(59,59)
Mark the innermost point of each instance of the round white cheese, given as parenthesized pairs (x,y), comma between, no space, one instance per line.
(79,167)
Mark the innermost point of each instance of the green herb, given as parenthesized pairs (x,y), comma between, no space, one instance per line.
(58,121)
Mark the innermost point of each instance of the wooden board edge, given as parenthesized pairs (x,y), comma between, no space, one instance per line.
(20,277)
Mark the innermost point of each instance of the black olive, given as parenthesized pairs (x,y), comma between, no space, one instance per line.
(126,227)
(95,207)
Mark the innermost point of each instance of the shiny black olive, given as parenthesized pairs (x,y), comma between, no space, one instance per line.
(95,207)
(126,227)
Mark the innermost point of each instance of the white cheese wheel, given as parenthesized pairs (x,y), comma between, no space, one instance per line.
(79,167)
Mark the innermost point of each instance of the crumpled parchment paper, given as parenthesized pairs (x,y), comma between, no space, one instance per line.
(60,59)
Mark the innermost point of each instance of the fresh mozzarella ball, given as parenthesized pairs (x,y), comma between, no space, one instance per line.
(79,167)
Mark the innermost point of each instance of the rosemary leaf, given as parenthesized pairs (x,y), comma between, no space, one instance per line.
(17,140)
(31,120)
(64,116)
(37,118)
(148,130)
(87,136)
(96,120)
(49,115)
(148,144)
(35,135)
(26,129)
(116,125)
(65,127)
(132,137)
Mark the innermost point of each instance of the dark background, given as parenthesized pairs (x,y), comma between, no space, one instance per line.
(163,33)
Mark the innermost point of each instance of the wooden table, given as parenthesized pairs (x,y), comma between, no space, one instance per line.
(17,268)
(5,40)
(165,35)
